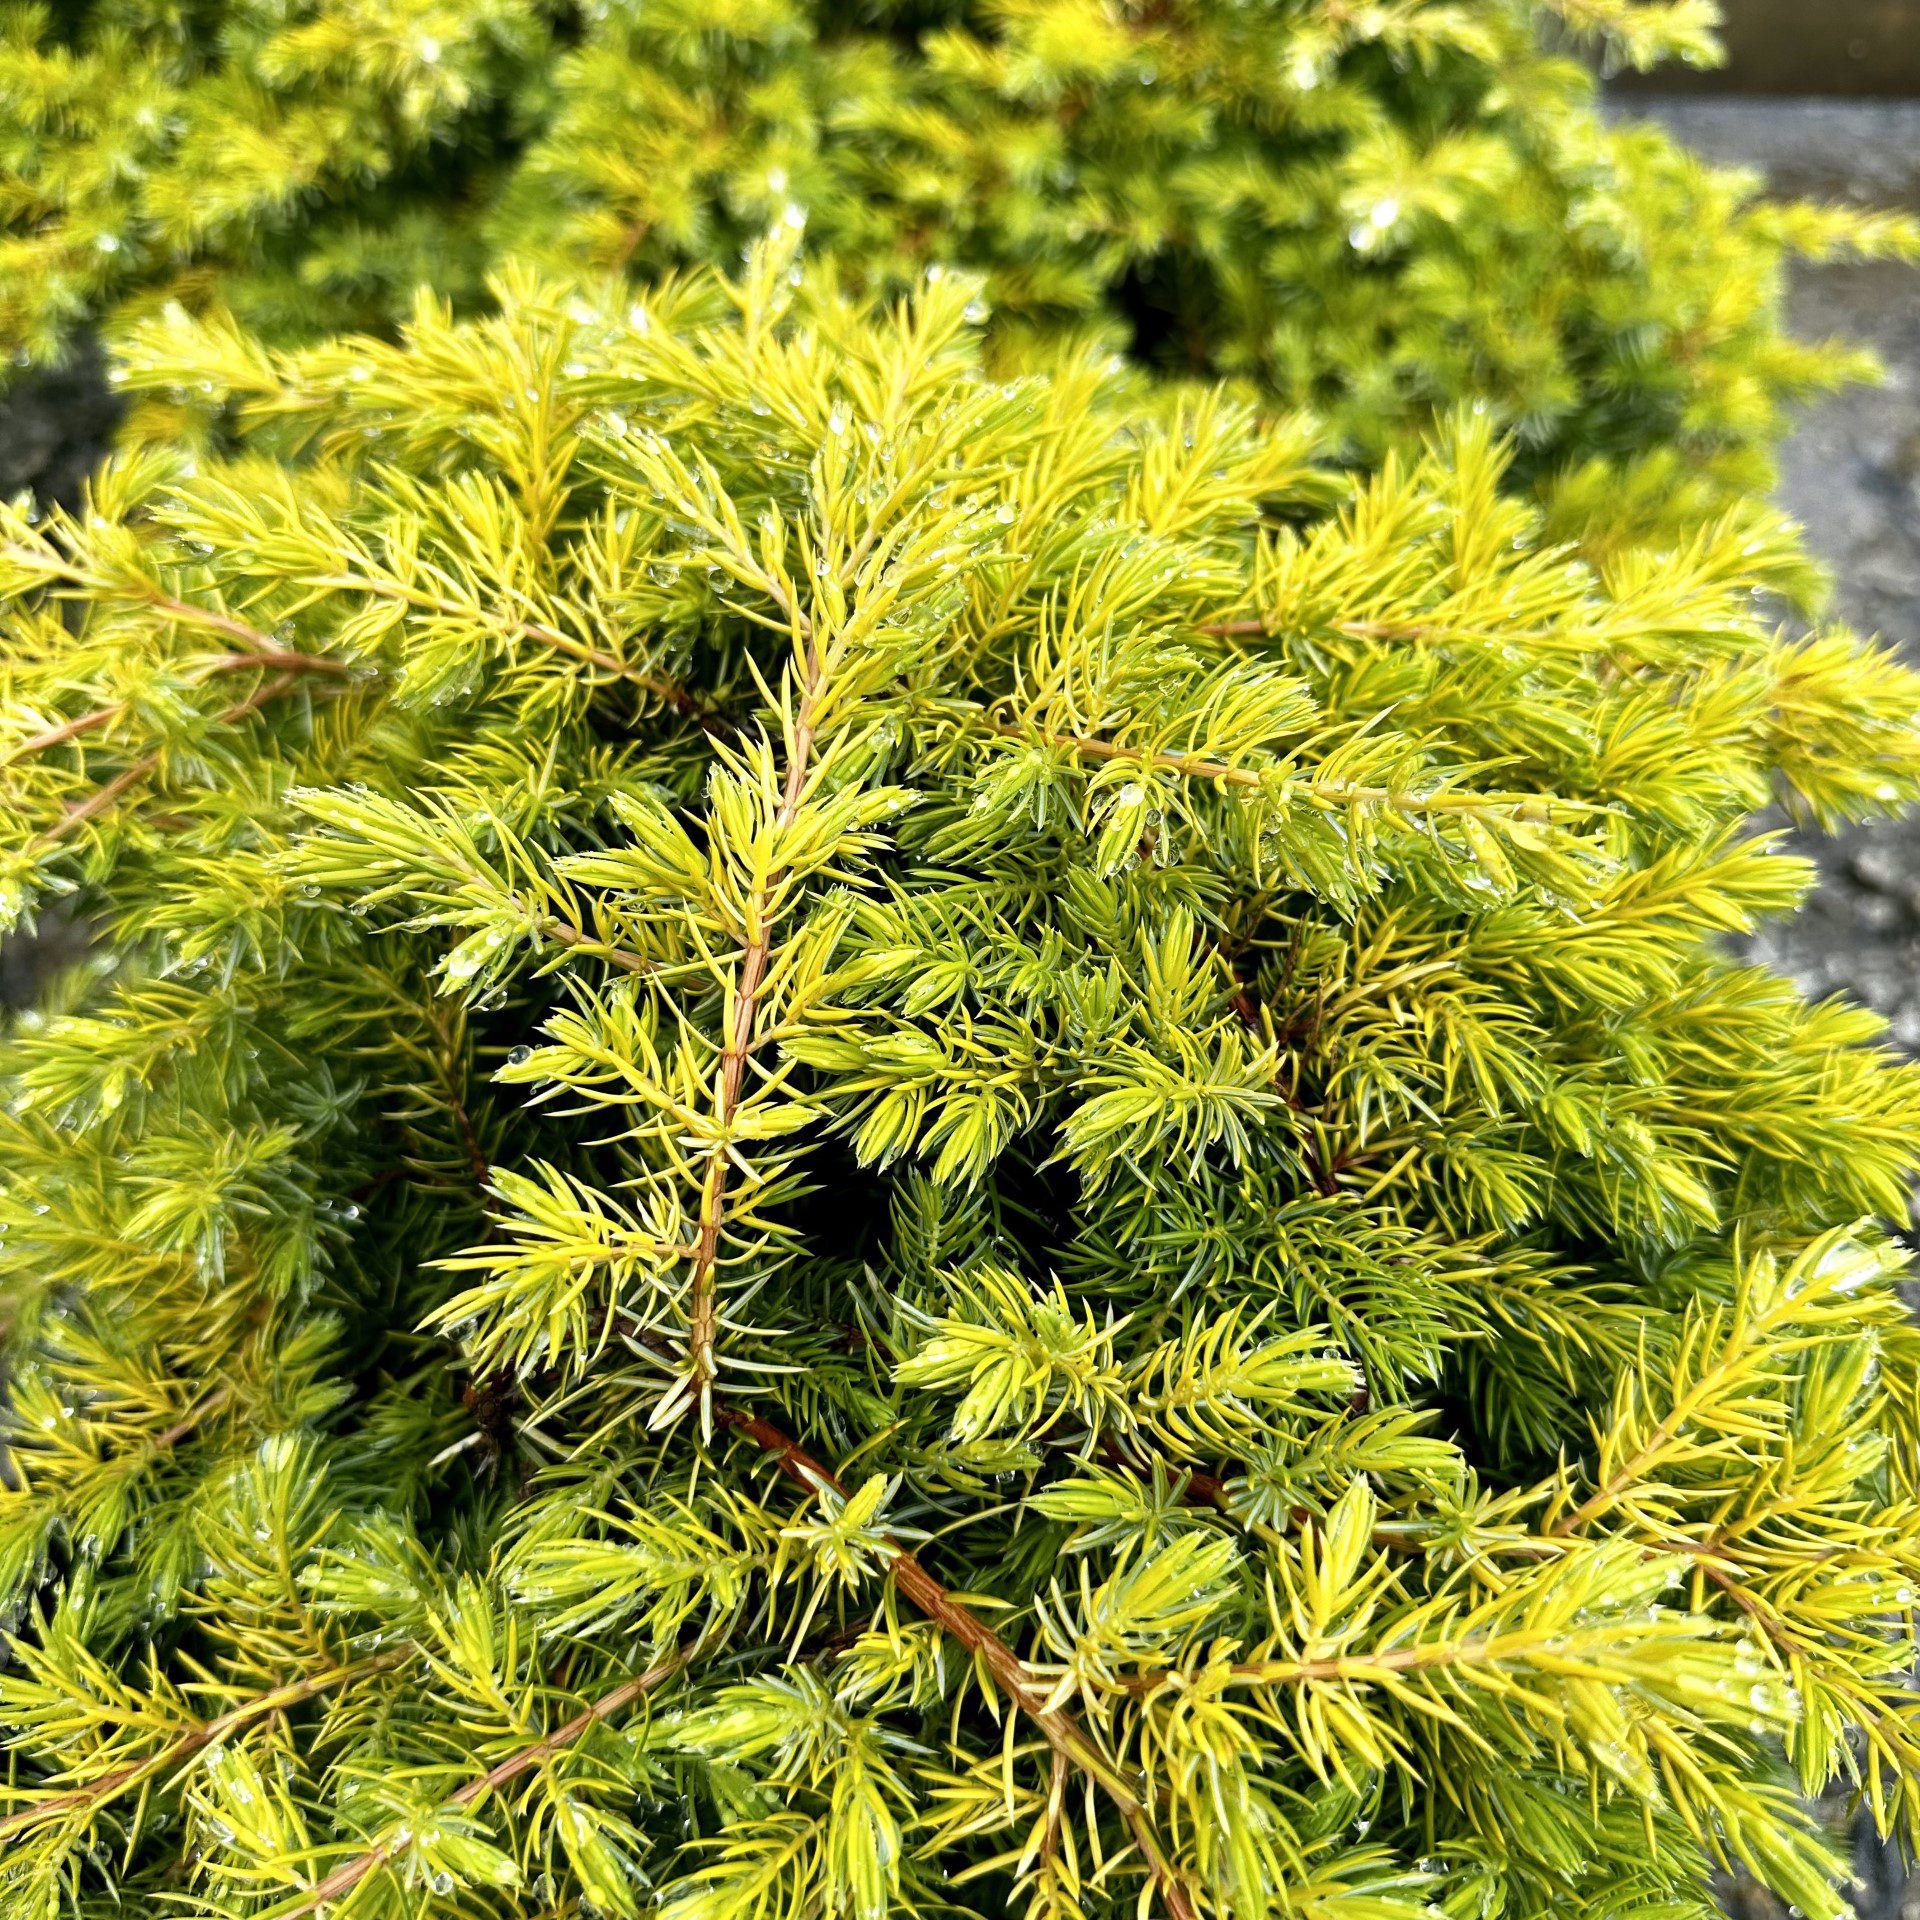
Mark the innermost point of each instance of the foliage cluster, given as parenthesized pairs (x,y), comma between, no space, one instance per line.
(860,1138)
(1381,210)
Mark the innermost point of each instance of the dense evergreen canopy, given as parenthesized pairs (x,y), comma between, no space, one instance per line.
(1381,210)
(857,1138)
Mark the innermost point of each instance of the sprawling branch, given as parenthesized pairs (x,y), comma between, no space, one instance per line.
(348,1875)
(1694,1400)
(200,1412)
(1326,794)
(1061,1731)
(110,1786)
(65,731)
(131,776)
(566,934)
(668,692)
(258,653)
(1373,630)
(111,585)
(266,658)
(743,1013)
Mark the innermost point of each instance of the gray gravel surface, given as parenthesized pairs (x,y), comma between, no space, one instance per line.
(1851,476)
(55,427)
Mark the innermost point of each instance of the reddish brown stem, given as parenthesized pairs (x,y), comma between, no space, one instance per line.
(67,730)
(99,800)
(703,1316)
(630,241)
(350,1873)
(670,693)
(1353,629)
(1061,1731)
(192,1418)
(449,1064)
(211,619)
(207,1734)
(103,797)
(281,659)
(1201,1489)
(1759,1615)
(1328,794)
(571,936)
